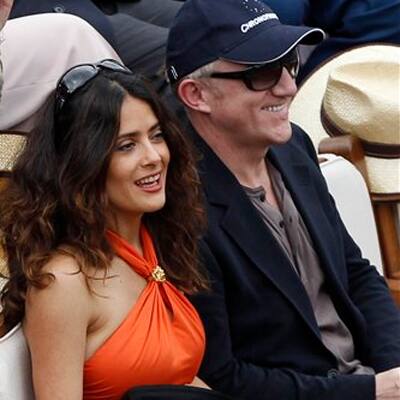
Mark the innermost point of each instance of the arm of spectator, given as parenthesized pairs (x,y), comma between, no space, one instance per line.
(5,9)
(349,23)
(222,370)
(388,385)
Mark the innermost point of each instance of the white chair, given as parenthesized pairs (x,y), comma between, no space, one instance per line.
(15,366)
(348,188)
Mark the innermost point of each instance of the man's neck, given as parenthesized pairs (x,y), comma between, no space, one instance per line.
(246,162)
(249,168)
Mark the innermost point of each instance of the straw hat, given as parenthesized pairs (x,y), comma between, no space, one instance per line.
(11,144)
(358,93)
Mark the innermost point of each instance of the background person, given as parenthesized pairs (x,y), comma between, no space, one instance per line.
(136,29)
(29,79)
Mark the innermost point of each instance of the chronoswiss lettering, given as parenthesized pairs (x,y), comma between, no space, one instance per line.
(256,21)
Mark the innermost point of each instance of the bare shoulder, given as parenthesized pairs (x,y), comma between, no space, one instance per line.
(62,264)
(66,297)
(67,278)
(55,325)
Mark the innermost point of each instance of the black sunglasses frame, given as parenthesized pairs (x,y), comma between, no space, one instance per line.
(291,62)
(79,75)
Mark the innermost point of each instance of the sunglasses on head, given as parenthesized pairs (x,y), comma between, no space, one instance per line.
(264,76)
(79,75)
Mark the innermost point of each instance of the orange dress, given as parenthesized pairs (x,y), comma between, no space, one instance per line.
(161,340)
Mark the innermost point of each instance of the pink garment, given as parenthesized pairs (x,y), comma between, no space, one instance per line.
(37,50)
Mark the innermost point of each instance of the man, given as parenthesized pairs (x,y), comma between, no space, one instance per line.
(294,311)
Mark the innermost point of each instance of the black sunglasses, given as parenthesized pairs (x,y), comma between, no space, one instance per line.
(264,76)
(79,75)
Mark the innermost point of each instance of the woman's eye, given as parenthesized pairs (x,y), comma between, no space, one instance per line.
(126,146)
(158,136)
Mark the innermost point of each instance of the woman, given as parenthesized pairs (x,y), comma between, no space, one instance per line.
(101,244)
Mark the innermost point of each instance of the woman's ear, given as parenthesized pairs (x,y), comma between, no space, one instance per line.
(193,94)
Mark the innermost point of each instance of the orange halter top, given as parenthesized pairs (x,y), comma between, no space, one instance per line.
(161,340)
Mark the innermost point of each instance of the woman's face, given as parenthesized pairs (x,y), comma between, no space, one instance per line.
(137,173)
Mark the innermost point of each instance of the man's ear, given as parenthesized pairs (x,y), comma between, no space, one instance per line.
(193,94)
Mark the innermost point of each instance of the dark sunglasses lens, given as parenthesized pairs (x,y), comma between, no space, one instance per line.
(72,81)
(293,68)
(265,77)
(292,63)
(77,77)
(113,65)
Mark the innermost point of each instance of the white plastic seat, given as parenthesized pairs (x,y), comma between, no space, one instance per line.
(15,367)
(348,188)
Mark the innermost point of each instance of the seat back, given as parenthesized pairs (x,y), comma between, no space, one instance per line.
(348,188)
(15,367)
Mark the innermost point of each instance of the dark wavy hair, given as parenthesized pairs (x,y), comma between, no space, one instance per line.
(55,201)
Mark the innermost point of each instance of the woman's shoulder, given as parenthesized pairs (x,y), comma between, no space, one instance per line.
(62,306)
(64,272)
(64,285)
(61,263)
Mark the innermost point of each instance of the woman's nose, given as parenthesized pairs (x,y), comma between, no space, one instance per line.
(151,154)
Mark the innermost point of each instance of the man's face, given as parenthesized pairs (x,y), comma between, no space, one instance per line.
(246,117)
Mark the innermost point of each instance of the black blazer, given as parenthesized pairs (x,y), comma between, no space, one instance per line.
(263,341)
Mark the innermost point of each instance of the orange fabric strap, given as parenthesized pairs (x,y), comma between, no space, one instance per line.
(146,265)
(160,341)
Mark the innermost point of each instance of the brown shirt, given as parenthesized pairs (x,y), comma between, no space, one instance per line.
(288,228)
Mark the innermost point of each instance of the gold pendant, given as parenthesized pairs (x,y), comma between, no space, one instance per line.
(158,274)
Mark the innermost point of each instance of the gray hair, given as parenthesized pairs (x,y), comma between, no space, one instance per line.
(199,73)
(203,71)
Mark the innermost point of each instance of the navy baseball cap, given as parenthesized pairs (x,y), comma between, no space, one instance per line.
(241,31)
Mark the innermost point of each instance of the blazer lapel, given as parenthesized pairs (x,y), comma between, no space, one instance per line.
(244,225)
(296,175)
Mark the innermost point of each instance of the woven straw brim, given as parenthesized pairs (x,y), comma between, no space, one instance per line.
(384,174)
(11,145)
(3,264)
